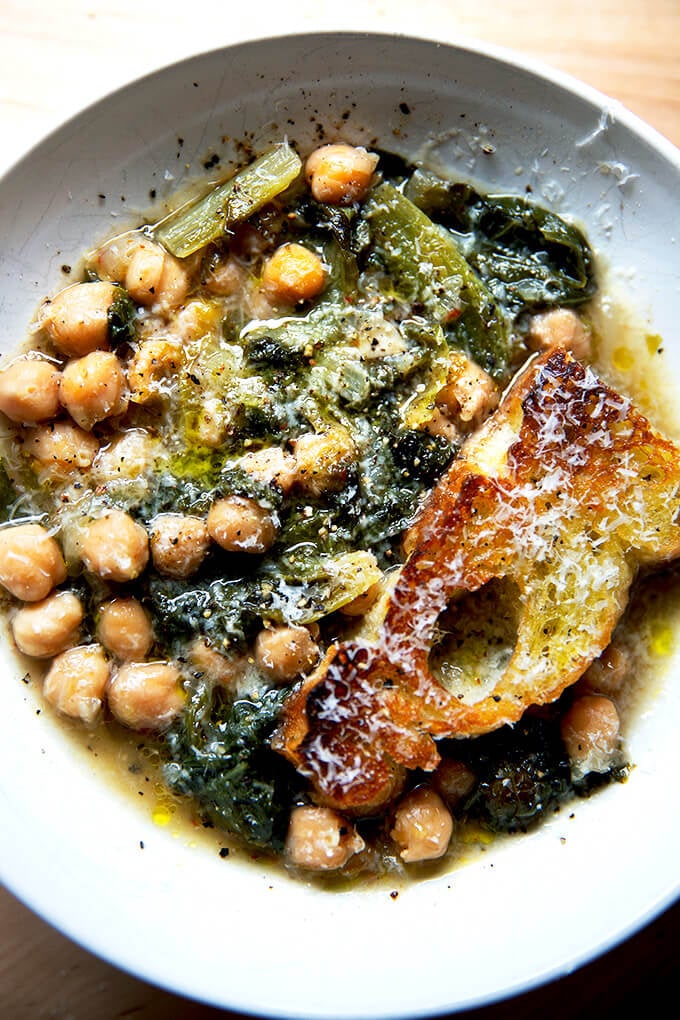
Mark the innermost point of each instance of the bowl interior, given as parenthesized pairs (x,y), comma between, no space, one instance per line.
(91,861)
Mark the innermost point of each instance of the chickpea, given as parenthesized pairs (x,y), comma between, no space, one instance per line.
(115,547)
(323,460)
(92,388)
(340,174)
(440,424)
(293,274)
(320,839)
(174,283)
(360,604)
(152,369)
(46,628)
(31,562)
(29,390)
(146,695)
(124,628)
(77,319)
(76,681)
(271,465)
(153,276)
(112,259)
(240,524)
(212,422)
(222,669)
(422,826)
(560,327)
(144,272)
(226,278)
(590,732)
(283,653)
(61,447)
(453,781)
(608,674)
(470,394)
(132,454)
(178,544)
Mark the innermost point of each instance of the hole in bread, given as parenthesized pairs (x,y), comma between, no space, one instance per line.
(475,639)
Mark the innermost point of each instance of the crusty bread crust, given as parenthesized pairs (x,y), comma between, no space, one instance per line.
(565,492)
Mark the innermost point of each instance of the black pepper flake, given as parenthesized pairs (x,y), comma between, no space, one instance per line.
(152,193)
(66,269)
(405,108)
(224,852)
(141,844)
(394,894)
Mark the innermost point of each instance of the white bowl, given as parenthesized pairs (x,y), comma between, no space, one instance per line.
(235,934)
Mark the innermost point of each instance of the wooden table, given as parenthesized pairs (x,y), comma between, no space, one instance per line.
(53,59)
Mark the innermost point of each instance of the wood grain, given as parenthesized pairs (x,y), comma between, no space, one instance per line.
(56,58)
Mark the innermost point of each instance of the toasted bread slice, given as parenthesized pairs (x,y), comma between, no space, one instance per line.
(548,513)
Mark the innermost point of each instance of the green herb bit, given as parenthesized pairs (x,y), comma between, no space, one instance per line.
(122,319)
(197,223)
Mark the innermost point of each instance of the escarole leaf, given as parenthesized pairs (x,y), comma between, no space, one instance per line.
(432,273)
(326,583)
(220,755)
(417,409)
(532,257)
(197,223)
(528,256)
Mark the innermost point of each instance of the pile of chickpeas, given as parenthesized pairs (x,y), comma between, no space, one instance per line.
(67,403)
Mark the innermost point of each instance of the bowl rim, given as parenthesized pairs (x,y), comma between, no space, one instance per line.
(466,43)
(19,883)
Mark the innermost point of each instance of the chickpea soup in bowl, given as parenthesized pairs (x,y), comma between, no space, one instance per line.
(340,526)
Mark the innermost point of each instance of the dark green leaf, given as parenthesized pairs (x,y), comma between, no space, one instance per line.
(219,754)
(528,256)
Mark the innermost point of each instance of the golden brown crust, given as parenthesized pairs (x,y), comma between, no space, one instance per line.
(563,494)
